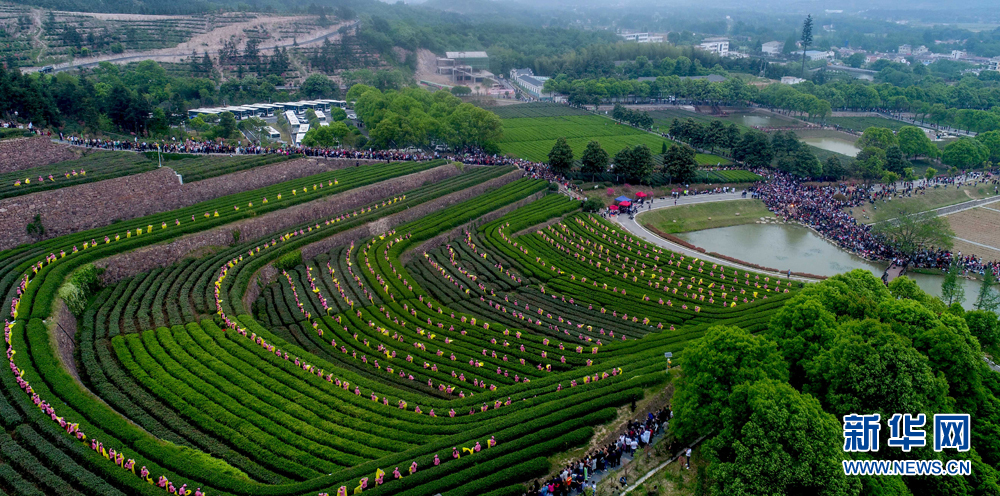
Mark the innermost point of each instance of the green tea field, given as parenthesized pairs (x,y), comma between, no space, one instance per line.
(532,137)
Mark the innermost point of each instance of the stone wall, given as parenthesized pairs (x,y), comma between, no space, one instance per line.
(25,153)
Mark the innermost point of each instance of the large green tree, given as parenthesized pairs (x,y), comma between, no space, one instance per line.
(870,164)
(913,142)
(326,136)
(879,137)
(634,164)
(679,163)
(951,289)
(802,329)
(807,39)
(911,232)
(985,326)
(894,161)
(319,86)
(711,368)
(992,141)
(965,153)
(869,368)
(594,159)
(775,440)
(561,157)
(801,163)
(988,298)
(754,149)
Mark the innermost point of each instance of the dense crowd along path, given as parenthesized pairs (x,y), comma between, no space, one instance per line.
(449,354)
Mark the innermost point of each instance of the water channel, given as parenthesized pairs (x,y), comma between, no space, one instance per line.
(790,246)
(840,146)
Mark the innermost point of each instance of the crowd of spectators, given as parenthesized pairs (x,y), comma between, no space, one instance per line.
(824,208)
(581,475)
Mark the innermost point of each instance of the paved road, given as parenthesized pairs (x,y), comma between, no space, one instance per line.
(637,229)
(995,367)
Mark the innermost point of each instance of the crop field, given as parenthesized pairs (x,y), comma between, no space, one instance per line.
(537,109)
(99,165)
(396,346)
(977,231)
(532,138)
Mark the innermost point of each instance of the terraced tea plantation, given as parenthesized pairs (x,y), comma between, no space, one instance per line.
(532,137)
(100,165)
(397,335)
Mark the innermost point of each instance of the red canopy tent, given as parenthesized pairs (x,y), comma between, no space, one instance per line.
(612,207)
(641,195)
(625,204)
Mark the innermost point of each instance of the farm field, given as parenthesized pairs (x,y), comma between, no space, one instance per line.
(977,231)
(347,349)
(532,138)
(931,199)
(685,218)
(536,109)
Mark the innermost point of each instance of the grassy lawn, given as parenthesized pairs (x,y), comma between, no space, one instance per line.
(705,216)
(532,137)
(859,124)
(931,199)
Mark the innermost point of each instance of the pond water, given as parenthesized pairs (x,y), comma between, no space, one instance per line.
(840,146)
(755,120)
(790,246)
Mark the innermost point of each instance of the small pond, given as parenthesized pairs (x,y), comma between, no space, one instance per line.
(756,120)
(840,146)
(789,246)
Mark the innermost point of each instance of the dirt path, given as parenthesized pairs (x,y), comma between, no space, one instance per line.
(211,41)
(427,68)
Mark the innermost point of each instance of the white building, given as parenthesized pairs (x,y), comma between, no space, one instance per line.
(716,45)
(815,54)
(642,37)
(958,54)
(905,50)
(772,48)
(920,50)
(532,84)
(994,64)
(791,80)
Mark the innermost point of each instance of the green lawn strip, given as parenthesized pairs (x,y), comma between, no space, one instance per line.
(709,215)
(860,123)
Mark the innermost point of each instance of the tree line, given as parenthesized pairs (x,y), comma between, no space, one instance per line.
(971,104)
(417,117)
(139,98)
